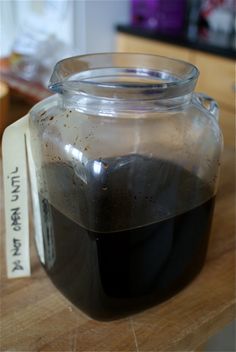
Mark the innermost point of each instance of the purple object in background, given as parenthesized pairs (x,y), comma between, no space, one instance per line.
(159,14)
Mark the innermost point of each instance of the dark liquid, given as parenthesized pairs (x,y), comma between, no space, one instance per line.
(111,274)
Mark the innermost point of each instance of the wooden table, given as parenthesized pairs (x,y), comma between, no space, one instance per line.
(36,317)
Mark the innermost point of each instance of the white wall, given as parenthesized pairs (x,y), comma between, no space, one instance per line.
(50,16)
(86,26)
(7,27)
(95,21)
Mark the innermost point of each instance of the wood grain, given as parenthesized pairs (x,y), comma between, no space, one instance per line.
(36,317)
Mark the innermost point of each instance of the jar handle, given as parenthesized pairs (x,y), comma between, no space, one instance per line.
(208,103)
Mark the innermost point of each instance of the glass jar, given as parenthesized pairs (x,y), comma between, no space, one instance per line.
(126,159)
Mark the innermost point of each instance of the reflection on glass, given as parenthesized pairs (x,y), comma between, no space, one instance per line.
(77,154)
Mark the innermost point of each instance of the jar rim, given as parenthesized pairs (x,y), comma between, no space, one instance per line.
(124,76)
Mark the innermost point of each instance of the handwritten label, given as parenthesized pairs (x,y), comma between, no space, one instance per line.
(16,199)
(16,246)
(15,218)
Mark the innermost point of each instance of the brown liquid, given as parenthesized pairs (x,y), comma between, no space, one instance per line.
(113,273)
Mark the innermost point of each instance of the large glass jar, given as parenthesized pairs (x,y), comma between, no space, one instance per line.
(127,160)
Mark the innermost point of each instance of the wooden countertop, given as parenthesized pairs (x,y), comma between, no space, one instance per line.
(36,317)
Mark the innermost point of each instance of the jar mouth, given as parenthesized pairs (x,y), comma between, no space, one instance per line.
(124,76)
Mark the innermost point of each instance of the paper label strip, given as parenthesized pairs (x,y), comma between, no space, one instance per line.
(16,199)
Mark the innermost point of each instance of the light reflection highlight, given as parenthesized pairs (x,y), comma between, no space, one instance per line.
(76,153)
(97,166)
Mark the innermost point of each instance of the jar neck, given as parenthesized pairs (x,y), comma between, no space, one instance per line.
(111,107)
(110,82)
